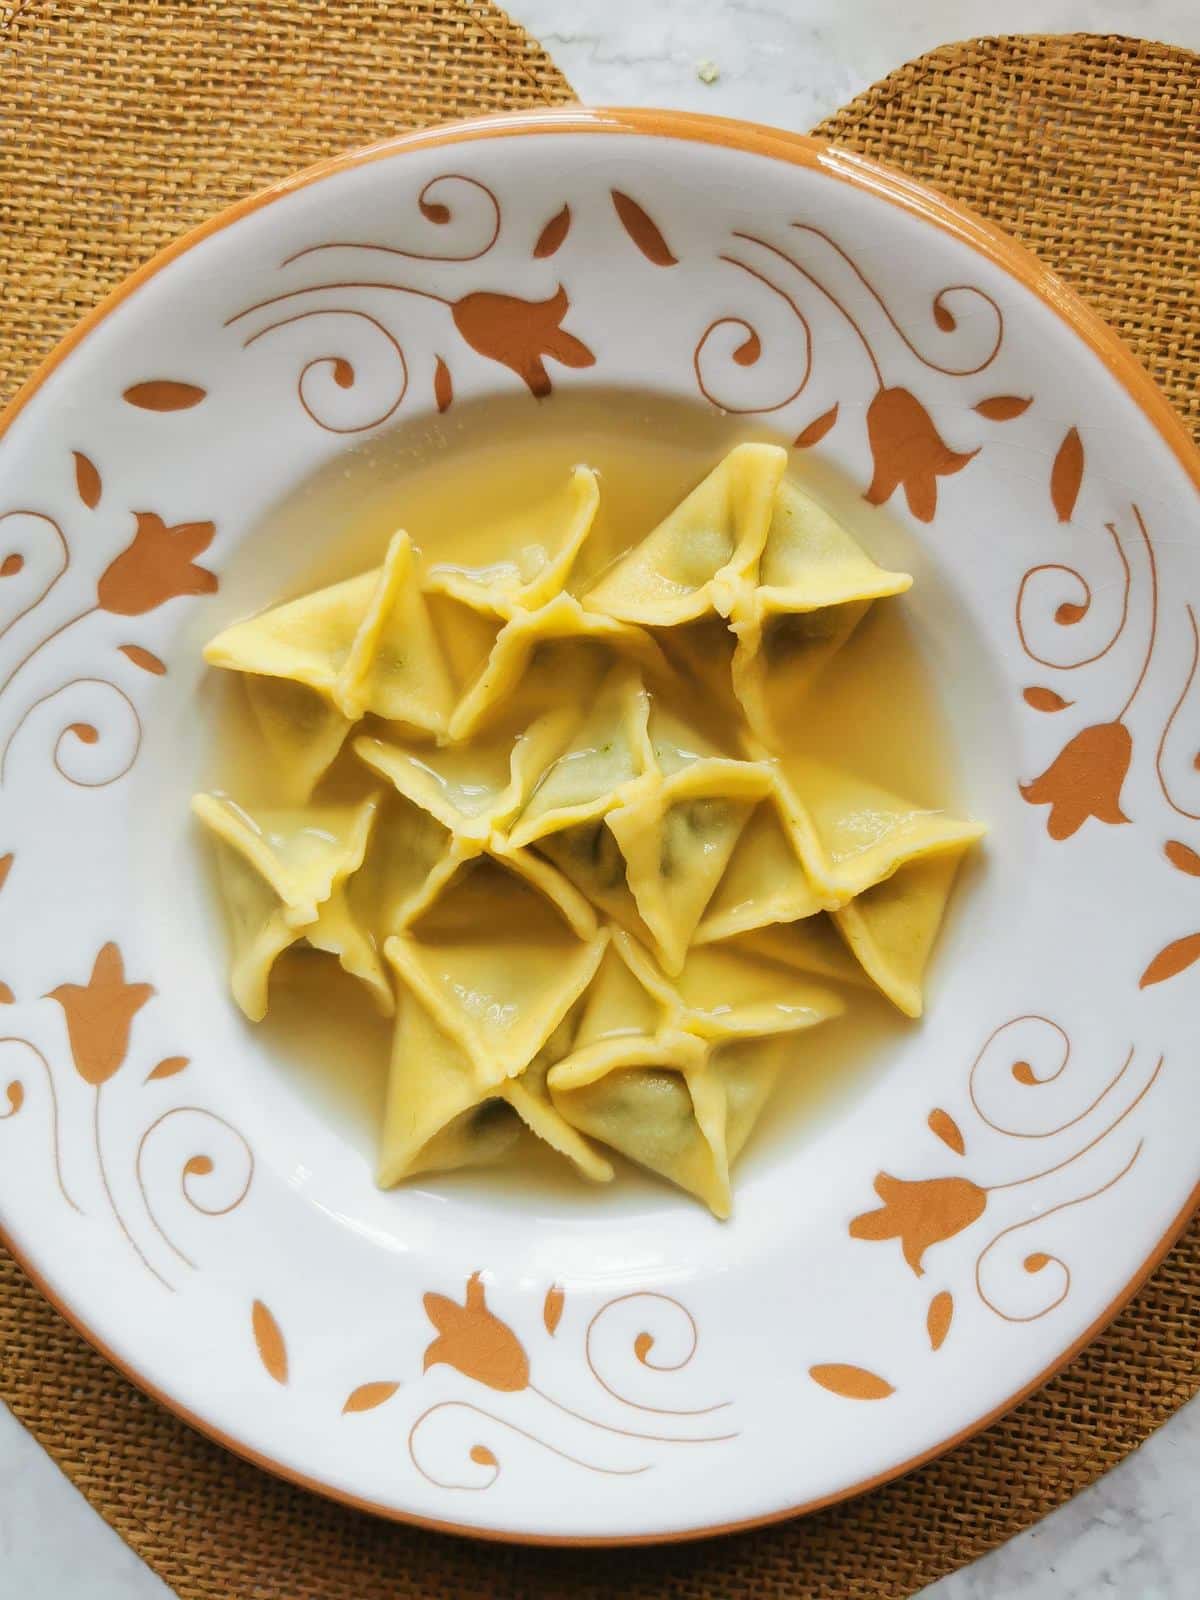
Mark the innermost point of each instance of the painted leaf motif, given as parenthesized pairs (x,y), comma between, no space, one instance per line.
(145,659)
(443,386)
(6,995)
(482,1456)
(1071,612)
(6,862)
(368,1396)
(944,1126)
(817,428)
(552,235)
(944,317)
(642,230)
(84,732)
(164,394)
(1003,407)
(167,1068)
(272,1348)
(11,565)
(15,1095)
(1182,857)
(1044,699)
(1175,958)
(852,1383)
(552,1309)
(938,1319)
(1066,475)
(197,1166)
(1036,1262)
(87,480)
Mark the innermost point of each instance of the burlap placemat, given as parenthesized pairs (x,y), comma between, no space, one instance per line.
(119,125)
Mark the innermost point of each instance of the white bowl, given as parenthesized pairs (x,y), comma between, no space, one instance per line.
(1024,1156)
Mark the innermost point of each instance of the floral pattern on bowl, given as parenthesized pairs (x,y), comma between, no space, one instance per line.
(906,1269)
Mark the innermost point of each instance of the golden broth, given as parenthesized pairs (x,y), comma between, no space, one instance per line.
(441,480)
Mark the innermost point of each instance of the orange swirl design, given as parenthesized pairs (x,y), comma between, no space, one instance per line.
(11,563)
(1068,613)
(16,1098)
(1038,1261)
(642,1346)
(1023,1072)
(749,351)
(341,370)
(1164,786)
(199,1165)
(433,210)
(484,1457)
(943,317)
(83,731)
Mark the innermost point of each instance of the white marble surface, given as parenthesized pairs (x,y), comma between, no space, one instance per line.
(1135,1534)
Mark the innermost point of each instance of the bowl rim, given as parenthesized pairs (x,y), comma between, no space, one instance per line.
(845,166)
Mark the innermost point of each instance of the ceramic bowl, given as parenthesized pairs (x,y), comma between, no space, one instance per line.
(900,1268)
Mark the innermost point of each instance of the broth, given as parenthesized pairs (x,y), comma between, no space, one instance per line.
(876,714)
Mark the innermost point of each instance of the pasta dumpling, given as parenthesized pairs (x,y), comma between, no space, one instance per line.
(523,561)
(571,821)
(722,990)
(809,561)
(562,618)
(589,856)
(851,833)
(811,944)
(410,859)
(891,927)
(813,586)
(677,1102)
(471,789)
(283,875)
(302,733)
(607,750)
(764,882)
(366,645)
(677,838)
(444,1110)
(501,999)
(669,1077)
(694,562)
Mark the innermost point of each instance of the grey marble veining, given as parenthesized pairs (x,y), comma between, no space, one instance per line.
(1136,1534)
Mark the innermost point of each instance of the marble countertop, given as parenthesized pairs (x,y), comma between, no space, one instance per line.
(790,62)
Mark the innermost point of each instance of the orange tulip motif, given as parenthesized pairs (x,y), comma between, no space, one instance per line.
(157,566)
(920,1213)
(99,1016)
(1084,780)
(520,334)
(908,452)
(475,1342)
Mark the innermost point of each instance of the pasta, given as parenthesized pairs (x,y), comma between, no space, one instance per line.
(575,836)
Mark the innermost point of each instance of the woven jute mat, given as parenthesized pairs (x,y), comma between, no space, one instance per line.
(120,124)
